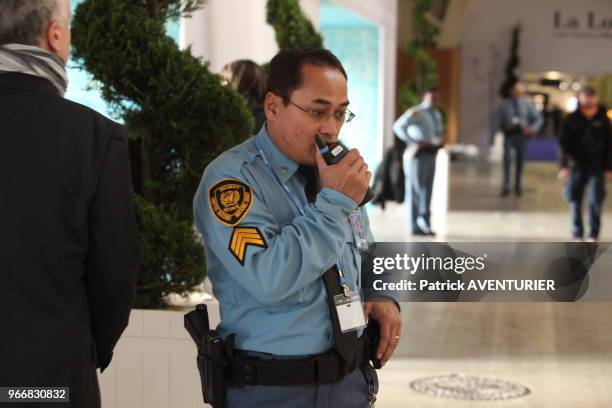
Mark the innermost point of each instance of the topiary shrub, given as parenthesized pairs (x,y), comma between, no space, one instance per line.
(292,27)
(168,245)
(179,118)
(512,64)
(425,67)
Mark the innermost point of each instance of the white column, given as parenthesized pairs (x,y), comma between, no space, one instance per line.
(311,8)
(226,30)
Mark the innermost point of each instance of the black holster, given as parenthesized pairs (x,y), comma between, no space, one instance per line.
(214,356)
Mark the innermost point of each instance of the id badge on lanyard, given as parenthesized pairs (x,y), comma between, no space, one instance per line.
(348,304)
(349,308)
(350,312)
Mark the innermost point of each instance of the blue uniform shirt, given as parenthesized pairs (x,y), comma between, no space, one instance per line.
(519,112)
(419,124)
(264,259)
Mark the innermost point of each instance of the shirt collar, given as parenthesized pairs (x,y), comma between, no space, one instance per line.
(282,165)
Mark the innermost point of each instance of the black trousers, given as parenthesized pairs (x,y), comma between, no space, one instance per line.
(514,141)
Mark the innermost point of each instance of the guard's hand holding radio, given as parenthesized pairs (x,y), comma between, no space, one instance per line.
(349,174)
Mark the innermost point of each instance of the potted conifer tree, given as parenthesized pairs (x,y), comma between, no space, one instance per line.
(179,117)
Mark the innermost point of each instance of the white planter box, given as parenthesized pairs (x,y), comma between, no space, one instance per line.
(154,365)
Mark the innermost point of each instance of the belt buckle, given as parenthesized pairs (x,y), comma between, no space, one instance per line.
(327,368)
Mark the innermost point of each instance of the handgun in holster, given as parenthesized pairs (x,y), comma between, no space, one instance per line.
(213,356)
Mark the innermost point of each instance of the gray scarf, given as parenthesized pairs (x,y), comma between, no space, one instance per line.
(27,59)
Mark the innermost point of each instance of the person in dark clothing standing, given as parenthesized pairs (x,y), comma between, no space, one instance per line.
(68,247)
(586,160)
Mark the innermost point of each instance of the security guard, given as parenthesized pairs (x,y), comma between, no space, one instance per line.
(420,127)
(270,238)
(519,120)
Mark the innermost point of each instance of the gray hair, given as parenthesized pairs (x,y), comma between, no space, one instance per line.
(24,21)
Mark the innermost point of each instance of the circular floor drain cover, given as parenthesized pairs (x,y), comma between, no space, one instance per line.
(467,387)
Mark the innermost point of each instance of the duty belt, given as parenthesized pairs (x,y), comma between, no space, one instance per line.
(320,369)
(221,365)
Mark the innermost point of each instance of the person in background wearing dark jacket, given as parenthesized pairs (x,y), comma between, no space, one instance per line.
(249,80)
(586,160)
(68,246)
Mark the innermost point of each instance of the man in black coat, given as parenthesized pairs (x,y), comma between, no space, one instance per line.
(68,246)
(586,160)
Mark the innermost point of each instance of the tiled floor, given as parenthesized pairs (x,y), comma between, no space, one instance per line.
(561,351)
(478,213)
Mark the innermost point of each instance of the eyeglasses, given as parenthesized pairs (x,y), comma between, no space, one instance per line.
(344,116)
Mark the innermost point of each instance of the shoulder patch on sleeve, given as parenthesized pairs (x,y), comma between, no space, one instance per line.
(240,240)
(230,200)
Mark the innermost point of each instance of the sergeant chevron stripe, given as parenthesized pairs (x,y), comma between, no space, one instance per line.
(241,238)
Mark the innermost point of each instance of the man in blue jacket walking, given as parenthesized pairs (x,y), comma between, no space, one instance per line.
(518,120)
